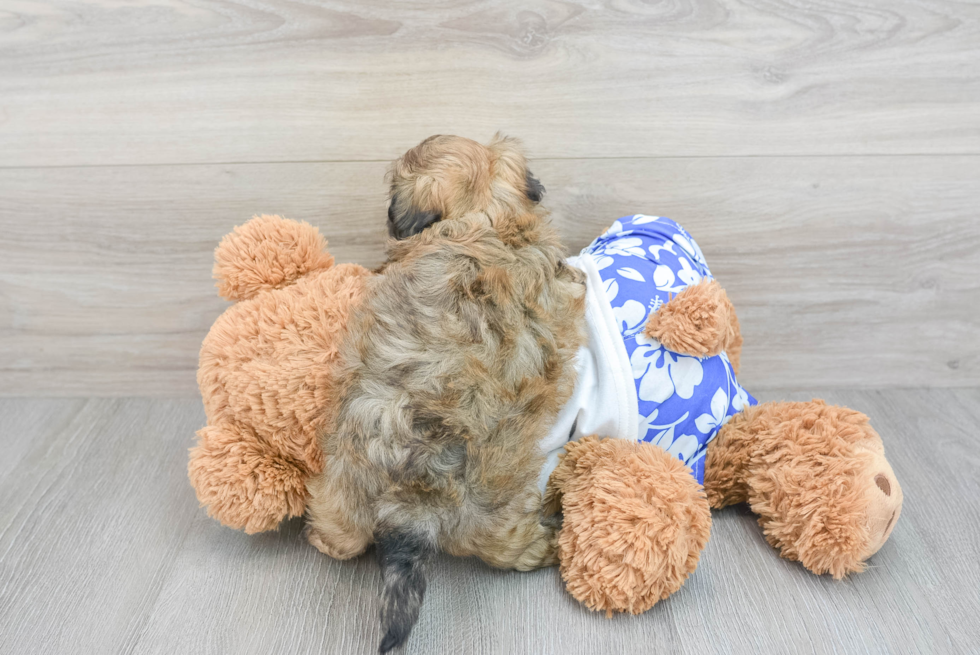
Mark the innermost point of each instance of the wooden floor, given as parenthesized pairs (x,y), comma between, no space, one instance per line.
(825,154)
(104,550)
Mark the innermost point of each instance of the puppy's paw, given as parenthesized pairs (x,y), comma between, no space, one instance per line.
(344,548)
(541,552)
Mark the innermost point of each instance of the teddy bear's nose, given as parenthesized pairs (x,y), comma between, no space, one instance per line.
(883,484)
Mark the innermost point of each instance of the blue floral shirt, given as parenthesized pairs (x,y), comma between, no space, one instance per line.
(683,401)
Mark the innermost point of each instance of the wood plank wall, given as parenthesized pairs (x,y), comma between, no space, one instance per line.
(827,159)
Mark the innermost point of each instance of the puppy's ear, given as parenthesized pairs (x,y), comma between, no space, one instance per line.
(535,190)
(404,222)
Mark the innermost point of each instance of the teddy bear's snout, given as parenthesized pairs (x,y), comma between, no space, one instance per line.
(885,505)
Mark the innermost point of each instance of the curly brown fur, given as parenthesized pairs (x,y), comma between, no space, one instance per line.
(447,177)
(454,366)
(817,477)
(699,321)
(635,523)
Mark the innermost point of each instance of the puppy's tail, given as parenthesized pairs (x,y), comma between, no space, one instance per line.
(404,555)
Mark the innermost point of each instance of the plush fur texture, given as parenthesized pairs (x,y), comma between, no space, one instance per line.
(699,321)
(817,477)
(454,366)
(635,523)
(266,371)
(267,253)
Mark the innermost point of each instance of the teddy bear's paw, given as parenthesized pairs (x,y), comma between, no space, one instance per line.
(243,483)
(694,322)
(635,523)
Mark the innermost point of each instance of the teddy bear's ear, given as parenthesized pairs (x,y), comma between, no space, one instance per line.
(404,220)
(267,252)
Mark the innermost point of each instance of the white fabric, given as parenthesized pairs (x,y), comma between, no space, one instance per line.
(604,400)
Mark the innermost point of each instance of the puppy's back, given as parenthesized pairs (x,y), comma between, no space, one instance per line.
(455,366)
(464,340)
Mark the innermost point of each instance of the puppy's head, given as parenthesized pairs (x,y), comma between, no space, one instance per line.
(445,177)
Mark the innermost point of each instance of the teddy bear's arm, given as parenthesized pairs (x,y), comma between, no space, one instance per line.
(699,321)
(612,494)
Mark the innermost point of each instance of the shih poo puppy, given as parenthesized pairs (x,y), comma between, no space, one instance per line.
(454,367)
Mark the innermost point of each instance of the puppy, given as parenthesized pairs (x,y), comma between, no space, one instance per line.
(454,367)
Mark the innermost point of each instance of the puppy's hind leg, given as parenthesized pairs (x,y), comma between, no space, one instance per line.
(332,527)
(525,540)
(542,550)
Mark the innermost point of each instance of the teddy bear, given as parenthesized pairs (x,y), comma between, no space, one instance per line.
(660,370)
(265,371)
(635,513)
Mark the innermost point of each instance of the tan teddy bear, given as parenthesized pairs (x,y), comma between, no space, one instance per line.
(265,371)
(635,520)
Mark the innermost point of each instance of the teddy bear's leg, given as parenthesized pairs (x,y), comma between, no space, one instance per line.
(635,523)
(699,321)
(244,482)
(817,477)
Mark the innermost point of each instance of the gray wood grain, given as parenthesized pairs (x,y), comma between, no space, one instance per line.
(862,271)
(92,517)
(211,81)
(103,549)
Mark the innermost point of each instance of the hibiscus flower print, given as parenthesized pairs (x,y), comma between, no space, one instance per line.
(625,247)
(663,373)
(612,289)
(708,423)
(630,273)
(684,447)
(656,250)
(663,435)
(682,401)
(690,247)
(602,262)
(665,279)
(630,315)
(740,397)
